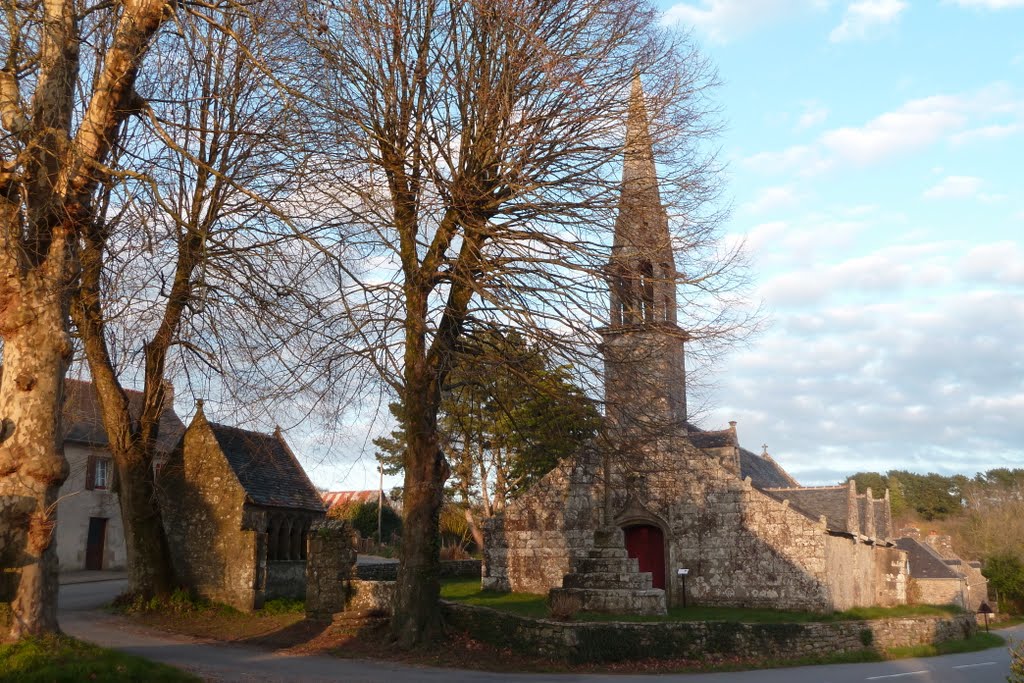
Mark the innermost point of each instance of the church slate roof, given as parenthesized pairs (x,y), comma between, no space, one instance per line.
(763,472)
(827,501)
(925,563)
(267,469)
(719,439)
(83,422)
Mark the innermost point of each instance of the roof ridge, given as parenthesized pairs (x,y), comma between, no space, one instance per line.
(805,488)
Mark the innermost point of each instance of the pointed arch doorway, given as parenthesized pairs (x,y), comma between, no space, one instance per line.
(647,544)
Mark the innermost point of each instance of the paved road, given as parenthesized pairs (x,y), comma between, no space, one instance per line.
(216,662)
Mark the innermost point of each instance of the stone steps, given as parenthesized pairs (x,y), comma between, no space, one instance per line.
(608,580)
(617,601)
(585,565)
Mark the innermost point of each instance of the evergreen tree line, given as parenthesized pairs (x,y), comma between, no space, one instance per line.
(984,516)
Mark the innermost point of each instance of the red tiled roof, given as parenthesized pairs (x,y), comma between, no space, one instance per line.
(335,498)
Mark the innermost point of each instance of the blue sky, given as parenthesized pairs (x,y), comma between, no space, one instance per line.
(874,153)
(874,165)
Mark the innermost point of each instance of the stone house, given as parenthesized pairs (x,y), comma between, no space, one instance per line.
(938,575)
(710,522)
(90,533)
(237,508)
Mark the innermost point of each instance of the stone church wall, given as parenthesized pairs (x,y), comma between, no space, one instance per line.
(203,506)
(862,575)
(939,591)
(745,549)
(530,546)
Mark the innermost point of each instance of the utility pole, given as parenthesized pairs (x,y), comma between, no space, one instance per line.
(380,505)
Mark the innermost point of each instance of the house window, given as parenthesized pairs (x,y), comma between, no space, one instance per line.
(98,473)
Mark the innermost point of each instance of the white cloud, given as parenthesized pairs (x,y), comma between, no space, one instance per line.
(994,132)
(805,159)
(954,187)
(724,20)
(885,375)
(998,262)
(988,4)
(771,199)
(863,18)
(914,125)
(814,114)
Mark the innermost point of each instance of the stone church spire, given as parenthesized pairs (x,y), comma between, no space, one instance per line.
(645,375)
(642,267)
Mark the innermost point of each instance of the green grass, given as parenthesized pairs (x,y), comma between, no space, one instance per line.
(979,641)
(283,606)
(1007,623)
(58,659)
(535,606)
(468,591)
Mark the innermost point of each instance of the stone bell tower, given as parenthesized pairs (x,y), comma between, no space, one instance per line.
(645,373)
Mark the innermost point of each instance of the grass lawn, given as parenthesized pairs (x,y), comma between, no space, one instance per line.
(979,641)
(58,659)
(535,606)
(1007,623)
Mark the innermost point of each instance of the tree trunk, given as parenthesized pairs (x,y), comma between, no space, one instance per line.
(417,618)
(149,562)
(36,348)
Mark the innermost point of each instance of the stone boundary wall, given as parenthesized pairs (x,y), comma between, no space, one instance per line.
(389,571)
(618,641)
(286,579)
(370,597)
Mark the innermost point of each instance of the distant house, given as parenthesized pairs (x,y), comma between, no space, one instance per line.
(939,575)
(237,508)
(90,534)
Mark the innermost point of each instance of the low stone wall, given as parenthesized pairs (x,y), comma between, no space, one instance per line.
(286,579)
(448,569)
(370,597)
(617,641)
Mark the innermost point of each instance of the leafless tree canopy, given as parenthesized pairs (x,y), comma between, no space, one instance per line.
(472,153)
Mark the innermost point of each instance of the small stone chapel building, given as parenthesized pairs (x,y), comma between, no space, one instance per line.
(237,507)
(744,531)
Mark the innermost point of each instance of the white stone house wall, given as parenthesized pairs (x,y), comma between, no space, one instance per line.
(77,505)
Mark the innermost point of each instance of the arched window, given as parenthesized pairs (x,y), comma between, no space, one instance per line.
(647,291)
(272,528)
(285,542)
(298,532)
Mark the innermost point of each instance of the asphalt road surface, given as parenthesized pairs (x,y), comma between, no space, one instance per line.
(80,618)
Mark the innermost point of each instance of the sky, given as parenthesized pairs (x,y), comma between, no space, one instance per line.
(874,168)
(874,154)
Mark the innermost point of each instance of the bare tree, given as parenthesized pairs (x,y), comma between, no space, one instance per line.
(53,154)
(477,148)
(220,278)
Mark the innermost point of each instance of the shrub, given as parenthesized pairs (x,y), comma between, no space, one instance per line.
(1017,664)
(564,606)
(363,517)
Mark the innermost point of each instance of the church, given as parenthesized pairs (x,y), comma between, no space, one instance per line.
(660,513)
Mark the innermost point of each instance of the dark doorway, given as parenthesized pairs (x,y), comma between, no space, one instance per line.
(94,543)
(647,544)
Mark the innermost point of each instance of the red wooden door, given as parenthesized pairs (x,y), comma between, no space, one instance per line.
(94,543)
(647,544)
